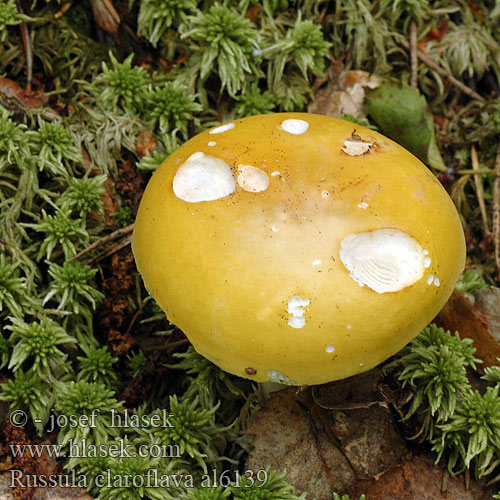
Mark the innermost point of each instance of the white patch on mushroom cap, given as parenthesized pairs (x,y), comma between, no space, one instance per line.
(294,126)
(212,144)
(296,306)
(427,261)
(436,281)
(275,228)
(356,148)
(385,260)
(363,205)
(330,348)
(316,262)
(203,178)
(222,128)
(252,179)
(430,279)
(278,377)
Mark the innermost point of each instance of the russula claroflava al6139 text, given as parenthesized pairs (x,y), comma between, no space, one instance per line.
(297,248)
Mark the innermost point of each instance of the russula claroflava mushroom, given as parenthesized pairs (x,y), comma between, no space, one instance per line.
(297,248)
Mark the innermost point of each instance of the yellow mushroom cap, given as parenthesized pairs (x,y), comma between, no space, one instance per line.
(298,248)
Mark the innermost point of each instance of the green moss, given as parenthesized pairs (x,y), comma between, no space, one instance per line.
(40,342)
(212,62)
(93,404)
(170,108)
(156,16)
(9,16)
(11,287)
(53,145)
(61,233)
(83,195)
(97,366)
(26,391)
(71,289)
(121,85)
(225,43)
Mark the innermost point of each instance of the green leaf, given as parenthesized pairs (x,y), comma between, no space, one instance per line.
(402,114)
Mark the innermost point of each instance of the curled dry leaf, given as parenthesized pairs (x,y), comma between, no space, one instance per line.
(105,15)
(12,89)
(145,143)
(344,94)
(488,303)
(59,493)
(361,391)
(322,449)
(284,439)
(417,478)
(471,321)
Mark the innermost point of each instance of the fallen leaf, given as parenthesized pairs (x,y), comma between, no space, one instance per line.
(59,493)
(402,114)
(344,94)
(461,315)
(417,478)
(364,430)
(5,489)
(12,89)
(434,34)
(105,15)
(324,450)
(284,439)
(488,303)
(145,143)
(361,391)
(110,205)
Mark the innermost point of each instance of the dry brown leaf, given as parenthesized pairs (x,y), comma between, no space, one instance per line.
(110,204)
(488,303)
(460,314)
(344,94)
(284,439)
(12,89)
(419,479)
(145,143)
(59,493)
(5,490)
(325,450)
(105,15)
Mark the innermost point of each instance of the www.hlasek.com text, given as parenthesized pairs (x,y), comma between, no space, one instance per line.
(82,449)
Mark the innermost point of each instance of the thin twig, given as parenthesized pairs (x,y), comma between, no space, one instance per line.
(28,50)
(479,190)
(496,213)
(66,6)
(450,113)
(119,233)
(465,171)
(111,250)
(172,345)
(413,53)
(429,62)
(133,320)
